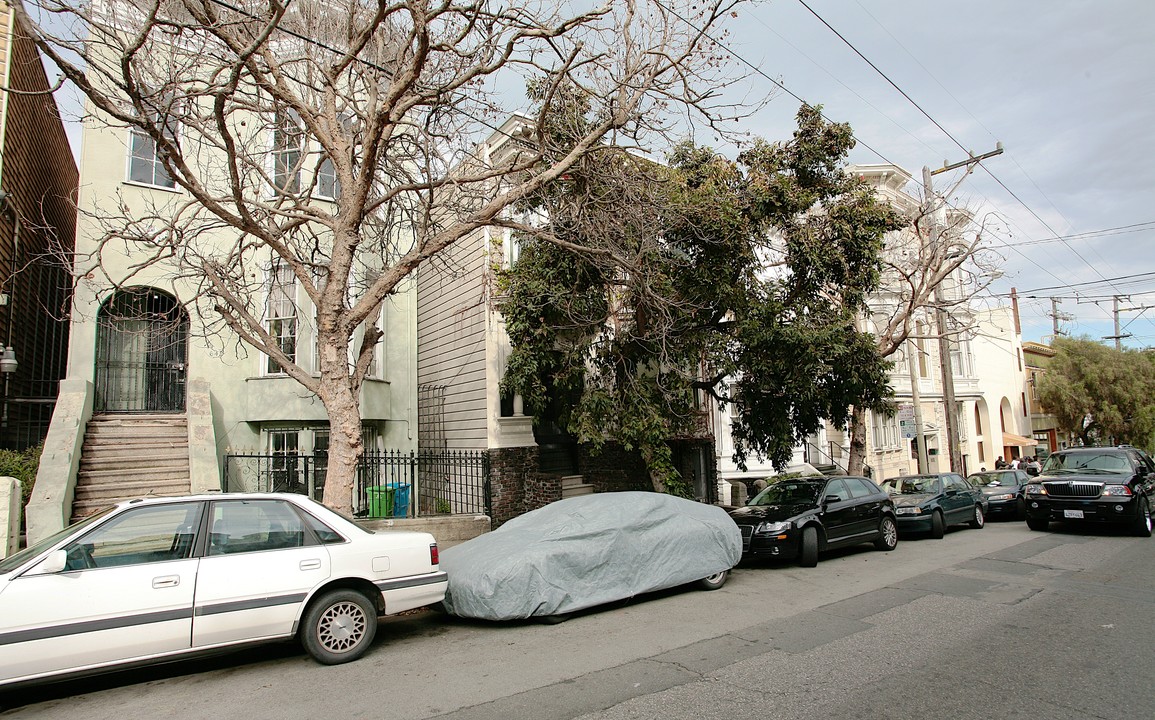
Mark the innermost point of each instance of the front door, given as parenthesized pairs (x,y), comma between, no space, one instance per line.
(141,353)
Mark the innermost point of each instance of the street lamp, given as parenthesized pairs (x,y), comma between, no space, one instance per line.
(8,362)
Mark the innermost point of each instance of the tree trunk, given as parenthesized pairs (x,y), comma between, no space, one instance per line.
(345,451)
(857,459)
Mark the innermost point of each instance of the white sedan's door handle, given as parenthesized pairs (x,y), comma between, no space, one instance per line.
(310,564)
(165,581)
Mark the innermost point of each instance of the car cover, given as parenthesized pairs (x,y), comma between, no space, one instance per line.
(585,551)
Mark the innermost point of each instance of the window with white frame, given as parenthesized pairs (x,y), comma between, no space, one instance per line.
(961,358)
(284,461)
(288,144)
(328,187)
(884,431)
(281,313)
(145,165)
(373,369)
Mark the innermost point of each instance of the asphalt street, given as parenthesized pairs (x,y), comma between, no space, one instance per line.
(999,623)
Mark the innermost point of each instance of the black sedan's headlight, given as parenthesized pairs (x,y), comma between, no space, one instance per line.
(908,510)
(773,528)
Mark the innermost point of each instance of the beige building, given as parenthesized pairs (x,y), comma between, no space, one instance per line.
(1044,426)
(160,397)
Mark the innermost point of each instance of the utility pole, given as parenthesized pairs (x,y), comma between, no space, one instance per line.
(916,398)
(937,211)
(1119,334)
(1056,316)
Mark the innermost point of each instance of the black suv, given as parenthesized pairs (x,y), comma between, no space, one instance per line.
(798,517)
(1109,485)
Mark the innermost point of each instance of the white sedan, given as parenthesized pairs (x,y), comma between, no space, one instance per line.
(155,579)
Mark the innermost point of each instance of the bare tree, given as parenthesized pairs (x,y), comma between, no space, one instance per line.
(371,111)
(932,263)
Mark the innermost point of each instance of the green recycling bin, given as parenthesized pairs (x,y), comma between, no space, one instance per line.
(380,501)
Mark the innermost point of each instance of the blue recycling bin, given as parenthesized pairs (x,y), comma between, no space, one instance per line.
(400,498)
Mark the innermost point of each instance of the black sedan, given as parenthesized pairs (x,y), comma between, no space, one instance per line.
(800,517)
(1094,486)
(930,503)
(1004,491)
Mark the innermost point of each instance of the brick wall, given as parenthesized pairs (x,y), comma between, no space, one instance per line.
(516,485)
(613,469)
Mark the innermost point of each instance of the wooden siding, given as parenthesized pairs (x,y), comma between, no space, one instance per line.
(40,176)
(451,340)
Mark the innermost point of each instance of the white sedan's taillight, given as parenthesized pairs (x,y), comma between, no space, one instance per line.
(433,557)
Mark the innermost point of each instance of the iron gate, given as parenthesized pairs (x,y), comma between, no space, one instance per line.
(141,353)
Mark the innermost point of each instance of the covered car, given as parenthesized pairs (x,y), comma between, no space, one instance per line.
(585,551)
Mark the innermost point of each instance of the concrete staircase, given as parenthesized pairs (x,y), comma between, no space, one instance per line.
(572,486)
(127,456)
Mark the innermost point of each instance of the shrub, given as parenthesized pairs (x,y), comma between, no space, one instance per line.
(21,465)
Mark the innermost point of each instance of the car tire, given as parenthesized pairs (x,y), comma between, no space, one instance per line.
(1038,524)
(715,581)
(978,520)
(937,525)
(339,627)
(887,535)
(1142,527)
(1021,510)
(555,619)
(808,550)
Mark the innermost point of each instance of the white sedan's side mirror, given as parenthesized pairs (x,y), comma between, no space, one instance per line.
(56,561)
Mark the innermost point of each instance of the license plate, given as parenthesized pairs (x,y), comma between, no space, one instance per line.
(1076,514)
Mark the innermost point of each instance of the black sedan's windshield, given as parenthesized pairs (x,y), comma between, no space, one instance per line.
(993,478)
(789,492)
(911,485)
(1087,462)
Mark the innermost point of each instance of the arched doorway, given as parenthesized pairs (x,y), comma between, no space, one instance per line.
(141,352)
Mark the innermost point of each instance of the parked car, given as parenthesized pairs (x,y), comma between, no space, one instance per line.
(1004,491)
(1109,485)
(801,517)
(931,503)
(589,550)
(756,481)
(157,579)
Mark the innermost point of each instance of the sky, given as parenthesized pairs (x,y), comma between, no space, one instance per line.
(1067,87)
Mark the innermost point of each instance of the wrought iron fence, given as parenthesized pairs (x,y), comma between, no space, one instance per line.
(391,483)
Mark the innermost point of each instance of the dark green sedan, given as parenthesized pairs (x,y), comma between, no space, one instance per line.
(931,503)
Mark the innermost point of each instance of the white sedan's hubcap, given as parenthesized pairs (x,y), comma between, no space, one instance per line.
(342,627)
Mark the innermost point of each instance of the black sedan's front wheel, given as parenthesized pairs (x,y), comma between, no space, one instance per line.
(808,552)
(1142,527)
(339,627)
(887,535)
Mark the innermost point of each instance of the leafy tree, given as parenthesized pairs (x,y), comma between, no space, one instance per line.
(704,269)
(1099,394)
(373,111)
